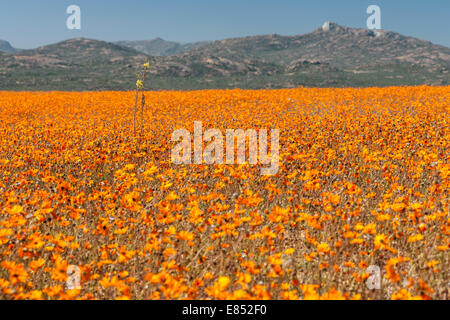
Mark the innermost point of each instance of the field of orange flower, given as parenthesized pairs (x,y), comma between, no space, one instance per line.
(363,181)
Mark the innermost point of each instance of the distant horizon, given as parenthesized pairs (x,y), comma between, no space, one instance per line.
(29,24)
(211,40)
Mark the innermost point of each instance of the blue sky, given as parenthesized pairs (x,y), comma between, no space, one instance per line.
(32,23)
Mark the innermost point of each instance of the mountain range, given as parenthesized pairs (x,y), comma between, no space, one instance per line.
(160,47)
(5,46)
(330,56)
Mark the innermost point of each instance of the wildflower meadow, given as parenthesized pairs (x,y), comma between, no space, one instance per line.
(92,205)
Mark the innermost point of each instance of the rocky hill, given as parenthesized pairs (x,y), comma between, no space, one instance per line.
(5,46)
(330,56)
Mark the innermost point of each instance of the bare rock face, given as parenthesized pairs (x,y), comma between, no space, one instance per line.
(379,33)
(326,26)
(331,26)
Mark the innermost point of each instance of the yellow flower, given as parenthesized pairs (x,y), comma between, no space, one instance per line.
(323,247)
(380,241)
(147,65)
(415,238)
(14,210)
(139,84)
(223,283)
(289,251)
